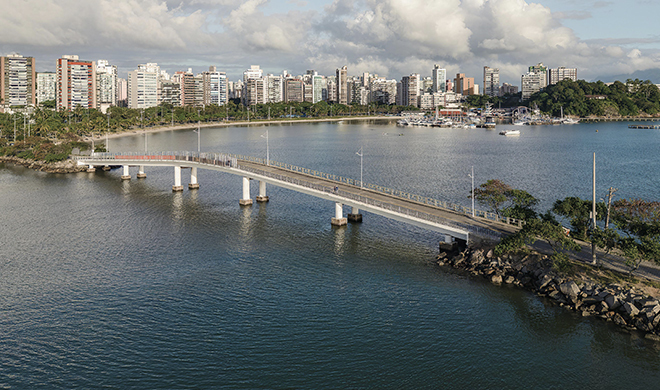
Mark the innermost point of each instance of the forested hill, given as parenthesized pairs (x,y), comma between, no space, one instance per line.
(582,98)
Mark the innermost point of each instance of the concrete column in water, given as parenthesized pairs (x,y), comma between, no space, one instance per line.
(338,220)
(246,201)
(262,192)
(355,215)
(193,179)
(141,174)
(177,180)
(91,169)
(126,174)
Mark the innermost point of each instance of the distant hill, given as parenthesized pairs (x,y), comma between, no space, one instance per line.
(648,74)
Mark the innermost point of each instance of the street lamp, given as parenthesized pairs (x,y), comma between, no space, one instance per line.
(267,151)
(199,139)
(472,176)
(361,154)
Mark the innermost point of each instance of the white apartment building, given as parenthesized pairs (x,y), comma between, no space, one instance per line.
(562,73)
(214,87)
(439,76)
(491,81)
(106,85)
(531,83)
(383,91)
(143,84)
(46,86)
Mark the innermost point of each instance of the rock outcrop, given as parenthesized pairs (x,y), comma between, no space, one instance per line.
(624,306)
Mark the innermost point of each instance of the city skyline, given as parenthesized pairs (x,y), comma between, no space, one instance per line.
(391,38)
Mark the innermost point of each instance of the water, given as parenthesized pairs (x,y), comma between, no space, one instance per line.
(128,285)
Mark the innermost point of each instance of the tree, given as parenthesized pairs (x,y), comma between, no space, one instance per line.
(639,221)
(578,212)
(505,201)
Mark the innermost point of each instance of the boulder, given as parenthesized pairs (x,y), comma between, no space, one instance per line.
(556,295)
(617,319)
(631,309)
(612,302)
(545,280)
(570,289)
(497,279)
(509,279)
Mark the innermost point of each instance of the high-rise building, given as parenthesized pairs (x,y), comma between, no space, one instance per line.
(143,84)
(18,81)
(170,92)
(542,71)
(293,90)
(464,85)
(383,91)
(275,88)
(531,83)
(491,81)
(331,82)
(214,87)
(255,92)
(410,90)
(342,85)
(439,79)
(319,85)
(106,85)
(122,92)
(76,83)
(46,86)
(562,73)
(507,88)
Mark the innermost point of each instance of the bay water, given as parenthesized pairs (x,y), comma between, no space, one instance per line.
(111,284)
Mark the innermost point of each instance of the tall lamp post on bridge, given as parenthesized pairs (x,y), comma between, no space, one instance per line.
(267,149)
(361,154)
(199,138)
(472,177)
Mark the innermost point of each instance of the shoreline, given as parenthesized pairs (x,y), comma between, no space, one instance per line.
(617,300)
(193,126)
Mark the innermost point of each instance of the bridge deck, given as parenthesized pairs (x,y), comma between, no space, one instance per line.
(420,211)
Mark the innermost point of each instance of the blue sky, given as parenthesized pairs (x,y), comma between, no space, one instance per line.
(391,38)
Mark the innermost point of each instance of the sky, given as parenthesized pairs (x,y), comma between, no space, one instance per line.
(391,38)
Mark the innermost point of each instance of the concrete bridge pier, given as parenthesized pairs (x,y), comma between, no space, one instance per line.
(126,174)
(452,244)
(177,180)
(355,215)
(339,219)
(141,174)
(262,192)
(246,200)
(91,169)
(193,185)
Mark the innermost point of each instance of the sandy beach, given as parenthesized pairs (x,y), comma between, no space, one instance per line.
(227,124)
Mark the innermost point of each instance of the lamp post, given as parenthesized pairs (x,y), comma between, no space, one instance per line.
(472,177)
(199,139)
(361,154)
(593,214)
(267,149)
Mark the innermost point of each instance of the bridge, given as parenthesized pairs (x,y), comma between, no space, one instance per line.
(457,223)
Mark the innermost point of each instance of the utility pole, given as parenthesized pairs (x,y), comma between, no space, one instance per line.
(593,214)
(610,195)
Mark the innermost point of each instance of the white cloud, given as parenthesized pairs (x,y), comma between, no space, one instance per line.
(388,37)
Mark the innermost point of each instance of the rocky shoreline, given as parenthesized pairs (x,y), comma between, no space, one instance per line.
(66,166)
(622,305)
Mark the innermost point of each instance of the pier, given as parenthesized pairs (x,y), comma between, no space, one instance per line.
(458,224)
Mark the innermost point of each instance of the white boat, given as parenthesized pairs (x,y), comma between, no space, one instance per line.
(520,122)
(510,132)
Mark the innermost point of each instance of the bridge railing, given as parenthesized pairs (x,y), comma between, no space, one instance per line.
(374,202)
(233,160)
(389,191)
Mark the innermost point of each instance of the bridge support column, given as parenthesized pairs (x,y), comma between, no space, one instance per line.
(141,174)
(193,179)
(355,215)
(262,192)
(339,219)
(246,200)
(126,175)
(177,180)
(91,169)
